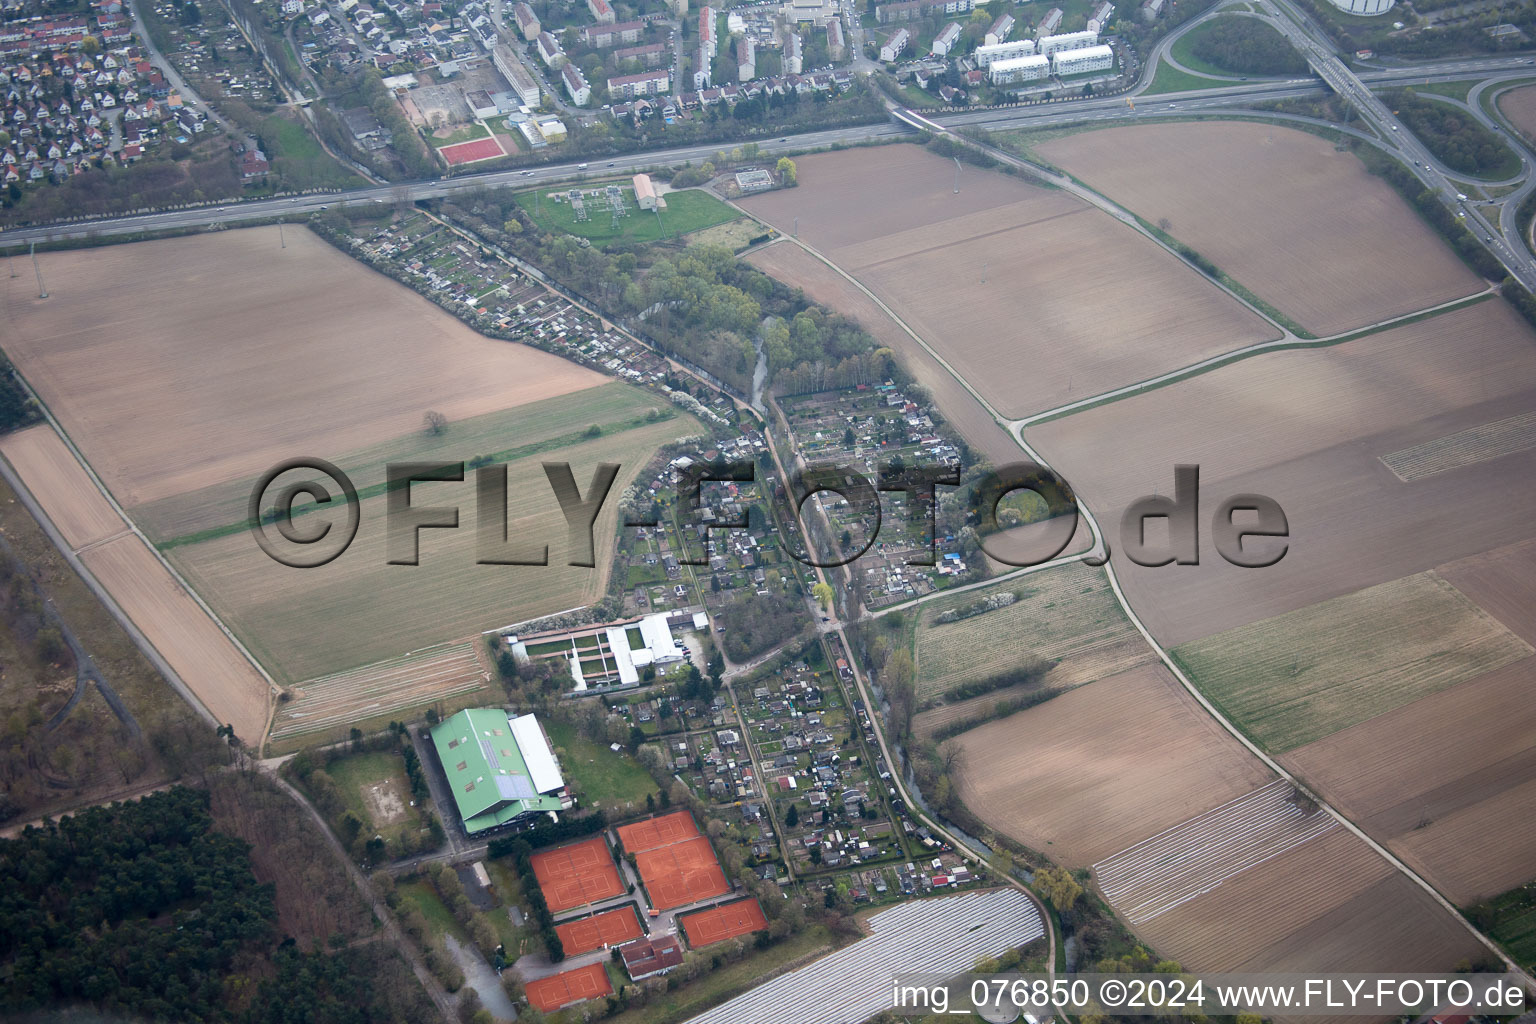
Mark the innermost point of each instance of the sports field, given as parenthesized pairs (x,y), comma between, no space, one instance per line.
(574,875)
(1340,251)
(1102,767)
(551,993)
(608,929)
(472,151)
(1104,306)
(687,210)
(726,921)
(1307,674)
(677,865)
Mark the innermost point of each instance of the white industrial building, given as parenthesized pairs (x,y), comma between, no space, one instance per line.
(985,55)
(946,40)
(1067,41)
(1090,58)
(1365,8)
(896,45)
(517,76)
(1019,69)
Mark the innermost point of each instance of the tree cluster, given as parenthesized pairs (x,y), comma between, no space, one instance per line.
(1458,139)
(1247,46)
(756,624)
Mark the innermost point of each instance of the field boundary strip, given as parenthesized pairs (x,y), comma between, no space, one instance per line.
(367,692)
(161,660)
(1173,867)
(1482,443)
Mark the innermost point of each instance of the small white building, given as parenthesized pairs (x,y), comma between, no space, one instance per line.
(1019,69)
(1050,23)
(1001,29)
(527,21)
(645,192)
(549,50)
(896,45)
(1102,14)
(947,39)
(576,85)
(794,54)
(746,59)
(1091,58)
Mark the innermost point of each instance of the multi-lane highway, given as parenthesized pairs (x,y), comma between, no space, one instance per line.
(1501,240)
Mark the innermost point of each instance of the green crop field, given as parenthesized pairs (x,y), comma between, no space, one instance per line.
(688,210)
(520,432)
(1300,676)
(1058,613)
(360,609)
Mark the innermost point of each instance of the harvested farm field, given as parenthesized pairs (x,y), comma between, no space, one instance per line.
(1502,581)
(1308,429)
(1043,617)
(1466,822)
(1102,767)
(1519,105)
(1328,905)
(1341,249)
(226,354)
(1298,677)
(951,266)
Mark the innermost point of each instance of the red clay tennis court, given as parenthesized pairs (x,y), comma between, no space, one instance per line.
(567,987)
(580,873)
(654,832)
(610,928)
(727,921)
(472,151)
(677,864)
